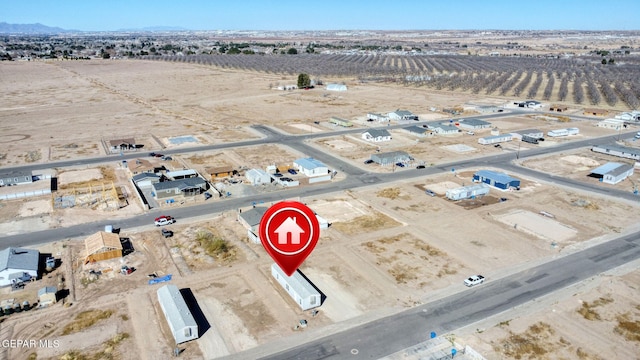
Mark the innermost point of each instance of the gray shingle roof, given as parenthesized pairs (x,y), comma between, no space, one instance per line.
(19,258)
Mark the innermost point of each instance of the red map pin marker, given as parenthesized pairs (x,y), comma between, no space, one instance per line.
(289,231)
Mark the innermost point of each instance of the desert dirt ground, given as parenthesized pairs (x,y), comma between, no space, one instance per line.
(381,254)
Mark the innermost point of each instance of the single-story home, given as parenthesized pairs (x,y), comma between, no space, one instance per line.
(310,167)
(390,158)
(612,172)
(418,131)
(402,115)
(619,151)
(376,135)
(298,286)
(442,129)
(146,179)
(467,192)
(532,104)
(18,265)
(221,171)
(378,117)
(474,124)
(613,124)
(595,112)
(251,218)
(181,322)
(16,178)
(181,174)
(496,179)
(257,177)
(494,139)
(183,187)
(563,132)
(558,108)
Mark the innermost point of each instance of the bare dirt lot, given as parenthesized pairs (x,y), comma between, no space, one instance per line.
(388,248)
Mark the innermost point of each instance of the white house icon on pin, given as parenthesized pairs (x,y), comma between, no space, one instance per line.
(289,226)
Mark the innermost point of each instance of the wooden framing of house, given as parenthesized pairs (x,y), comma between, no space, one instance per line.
(102,246)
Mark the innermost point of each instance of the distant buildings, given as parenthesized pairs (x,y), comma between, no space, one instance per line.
(563,132)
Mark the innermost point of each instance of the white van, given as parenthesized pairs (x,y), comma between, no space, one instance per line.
(637,135)
(108,228)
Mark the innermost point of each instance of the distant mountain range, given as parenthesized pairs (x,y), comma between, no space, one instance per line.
(6,28)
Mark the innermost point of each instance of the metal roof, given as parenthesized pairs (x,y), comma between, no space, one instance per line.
(174,174)
(622,149)
(416,129)
(181,184)
(253,216)
(309,163)
(175,308)
(145,175)
(19,258)
(297,282)
(12,174)
(611,168)
(496,176)
(475,122)
(377,132)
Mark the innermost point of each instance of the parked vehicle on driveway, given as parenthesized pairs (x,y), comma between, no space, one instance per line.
(164,220)
(429,192)
(420,167)
(399,164)
(368,161)
(292,172)
(474,280)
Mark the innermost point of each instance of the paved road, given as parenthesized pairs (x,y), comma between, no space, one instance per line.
(391,334)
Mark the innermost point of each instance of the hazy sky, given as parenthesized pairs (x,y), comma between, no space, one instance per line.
(98,15)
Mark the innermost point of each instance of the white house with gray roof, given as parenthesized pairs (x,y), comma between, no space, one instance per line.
(402,115)
(390,158)
(16,178)
(619,151)
(179,188)
(18,265)
(376,135)
(298,287)
(311,167)
(418,131)
(612,172)
(474,124)
(181,322)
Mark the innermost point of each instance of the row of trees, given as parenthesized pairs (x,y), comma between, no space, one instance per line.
(582,81)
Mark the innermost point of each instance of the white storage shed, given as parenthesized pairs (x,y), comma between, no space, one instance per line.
(298,287)
(181,322)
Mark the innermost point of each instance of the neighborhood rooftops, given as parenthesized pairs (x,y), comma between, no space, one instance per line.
(182,184)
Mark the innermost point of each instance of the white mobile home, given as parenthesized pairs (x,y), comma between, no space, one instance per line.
(378,117)
(257,177)
(298,287)
(467,192)
(612,172)
(563,132)
(312,168)
(181,322)
(619,151)
(613,124)
(494,139)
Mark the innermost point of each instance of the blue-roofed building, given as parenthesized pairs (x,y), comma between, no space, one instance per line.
(496,179)
(18,265)
(311,167)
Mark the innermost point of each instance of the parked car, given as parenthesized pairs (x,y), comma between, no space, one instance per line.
(167,158)
(167,233)
(368,161)
(470,133)
(207,196)
(164,220)
(292,172)
(399,164)
(474,280)
(420,167)
(497,145)
(429,192)
(277,175)
(287,179)
(152,154)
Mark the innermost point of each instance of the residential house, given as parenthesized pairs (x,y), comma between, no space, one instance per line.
(122,145)
(376,135)
(390,158)
(179,188)
(298,286)
(399,115)
(221,172)
(257,177)
(419,131)
(15,178)
(340,122)
(494,139)
(612,172)
(474,124)
(18,265)
(619,151)
(467,192)
(496,179)
(377,117)
(181,322)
